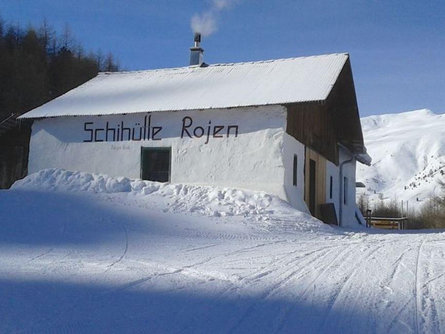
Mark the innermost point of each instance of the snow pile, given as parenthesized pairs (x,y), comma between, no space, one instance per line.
(408,151)
(62,180)
(99,261)
(273,212)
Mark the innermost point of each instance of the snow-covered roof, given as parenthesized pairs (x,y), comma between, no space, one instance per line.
(280,81)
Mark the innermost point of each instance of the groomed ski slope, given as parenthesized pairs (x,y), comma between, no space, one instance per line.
(85,253)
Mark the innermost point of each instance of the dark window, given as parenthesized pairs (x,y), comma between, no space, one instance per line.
(330,187)
(295,174)
(312,186)
(345,190)
(155,163)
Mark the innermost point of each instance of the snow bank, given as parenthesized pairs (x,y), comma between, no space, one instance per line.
(95,261)
(62,180)
(273,212)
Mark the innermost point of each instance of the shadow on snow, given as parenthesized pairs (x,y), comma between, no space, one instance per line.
(48,306)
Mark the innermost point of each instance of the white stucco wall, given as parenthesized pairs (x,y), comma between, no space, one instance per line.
(255,153)
(294,194)
(252,159)
(350,208)
(334,171)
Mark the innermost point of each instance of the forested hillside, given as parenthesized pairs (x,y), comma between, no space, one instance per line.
(36,65)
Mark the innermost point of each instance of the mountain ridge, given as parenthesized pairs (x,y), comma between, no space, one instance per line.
(408,151)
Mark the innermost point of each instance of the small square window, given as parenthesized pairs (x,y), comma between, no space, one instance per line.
(155,163)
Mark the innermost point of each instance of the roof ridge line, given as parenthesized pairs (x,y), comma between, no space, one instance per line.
(222,64)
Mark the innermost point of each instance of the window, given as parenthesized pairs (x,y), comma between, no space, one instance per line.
(330,186)
(295,171)
(345,190)
(312,186)
(155,163)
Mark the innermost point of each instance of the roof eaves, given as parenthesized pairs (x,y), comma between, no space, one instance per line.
(172,110)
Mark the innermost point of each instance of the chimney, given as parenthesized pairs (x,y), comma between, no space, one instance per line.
(196,52)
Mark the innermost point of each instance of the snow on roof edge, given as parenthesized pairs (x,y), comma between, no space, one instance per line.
(171,110)
(225,64)
(302,87)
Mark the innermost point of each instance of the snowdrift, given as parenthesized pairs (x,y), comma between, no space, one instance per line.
(82,253)
(259,207)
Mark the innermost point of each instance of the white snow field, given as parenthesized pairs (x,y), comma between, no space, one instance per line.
(84,253)
(408,156)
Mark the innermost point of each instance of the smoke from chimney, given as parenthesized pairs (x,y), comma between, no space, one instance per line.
(206,22)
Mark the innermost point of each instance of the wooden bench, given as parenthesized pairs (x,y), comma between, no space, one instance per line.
(388,223)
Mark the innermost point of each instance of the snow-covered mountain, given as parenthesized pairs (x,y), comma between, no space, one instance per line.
(408,152)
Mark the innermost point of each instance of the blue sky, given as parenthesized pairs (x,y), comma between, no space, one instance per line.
(397,48)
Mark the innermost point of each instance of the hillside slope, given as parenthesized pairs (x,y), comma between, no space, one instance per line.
(408,152)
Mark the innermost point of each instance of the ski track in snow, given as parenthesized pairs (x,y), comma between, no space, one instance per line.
(113,263)
(417,294)
(125,249)
(430,310)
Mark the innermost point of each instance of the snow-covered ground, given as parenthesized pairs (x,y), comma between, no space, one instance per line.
(408,153)
(86,253)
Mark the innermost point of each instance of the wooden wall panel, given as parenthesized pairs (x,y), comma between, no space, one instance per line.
(342,103)
(322,125)
(312,124)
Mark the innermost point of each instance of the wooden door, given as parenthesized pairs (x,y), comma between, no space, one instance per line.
(314,181)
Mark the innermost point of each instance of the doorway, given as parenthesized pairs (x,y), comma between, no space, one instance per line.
(314,181)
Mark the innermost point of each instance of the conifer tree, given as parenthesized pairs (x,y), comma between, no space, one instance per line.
(36,66)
